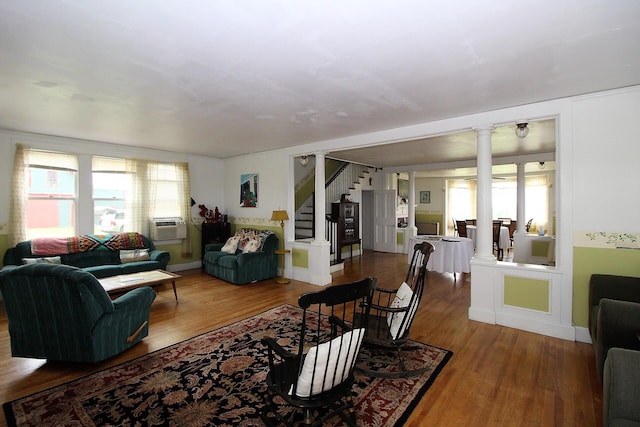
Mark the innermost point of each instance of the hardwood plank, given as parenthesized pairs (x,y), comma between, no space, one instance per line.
(497,376)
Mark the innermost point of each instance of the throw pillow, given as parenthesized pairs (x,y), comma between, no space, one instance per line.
(231,245)
(134,255)
(44,260)
(394,320)
(341,351)
(251,246)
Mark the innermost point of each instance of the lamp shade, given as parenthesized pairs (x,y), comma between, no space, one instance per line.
(279,216)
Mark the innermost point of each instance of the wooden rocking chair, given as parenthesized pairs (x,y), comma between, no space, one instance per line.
(392,314)
(312,383)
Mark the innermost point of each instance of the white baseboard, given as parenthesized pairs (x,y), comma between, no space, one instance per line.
(582,334)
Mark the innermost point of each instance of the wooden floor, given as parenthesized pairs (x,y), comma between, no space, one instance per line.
(497,377)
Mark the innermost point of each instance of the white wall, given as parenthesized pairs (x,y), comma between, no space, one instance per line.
(607,162)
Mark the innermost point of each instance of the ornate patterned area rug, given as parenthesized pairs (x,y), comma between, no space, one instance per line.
(214,379)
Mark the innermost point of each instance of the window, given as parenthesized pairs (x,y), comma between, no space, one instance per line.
(128,193)
(51,195)
(168,192)
(112,195)
(461,199)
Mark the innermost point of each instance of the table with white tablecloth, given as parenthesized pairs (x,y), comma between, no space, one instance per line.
(505,240)
(451,255)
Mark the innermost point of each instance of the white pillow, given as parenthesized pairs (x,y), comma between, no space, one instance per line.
(134,255)
(231,245)
(394,320)
(44,260)
(347,354)
(251,246)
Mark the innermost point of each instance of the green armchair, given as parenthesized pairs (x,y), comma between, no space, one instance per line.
(61,313)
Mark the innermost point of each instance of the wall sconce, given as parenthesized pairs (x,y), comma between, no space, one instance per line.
(304,160)
(540,165)
(522,130)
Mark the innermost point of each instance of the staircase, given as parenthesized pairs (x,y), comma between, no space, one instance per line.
(343,181)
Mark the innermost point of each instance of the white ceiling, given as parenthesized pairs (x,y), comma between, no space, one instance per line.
(224,78)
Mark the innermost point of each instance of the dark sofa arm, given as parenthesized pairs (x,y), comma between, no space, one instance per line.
(162,257)
(215,247)
(621,388)
(618,326)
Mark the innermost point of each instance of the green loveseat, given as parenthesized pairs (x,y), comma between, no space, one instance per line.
(61,313)
(102,256)
(239,267)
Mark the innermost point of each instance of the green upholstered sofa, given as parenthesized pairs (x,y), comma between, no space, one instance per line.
(61,313)
(614,318)
(242,268)
(102,256)
(621,388)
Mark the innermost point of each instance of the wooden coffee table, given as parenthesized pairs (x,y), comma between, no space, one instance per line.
(127,282)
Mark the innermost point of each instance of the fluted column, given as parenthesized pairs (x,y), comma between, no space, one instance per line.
(521,218)
(411,218)
(484,232)
(320,199)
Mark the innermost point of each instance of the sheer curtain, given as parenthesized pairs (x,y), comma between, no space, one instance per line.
(143,193)
(18,209)
(184,196)
(461,201)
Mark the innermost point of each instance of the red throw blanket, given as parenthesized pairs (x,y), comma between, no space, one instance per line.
(84,243)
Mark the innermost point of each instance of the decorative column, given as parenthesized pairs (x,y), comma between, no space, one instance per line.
(484,231)
(521,218)
(411,218)
(319,249)
(320,198)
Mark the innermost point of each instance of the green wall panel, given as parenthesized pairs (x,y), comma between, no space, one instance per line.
(526,293)
(4,243)
(400,238)
(588,261)
(300,258)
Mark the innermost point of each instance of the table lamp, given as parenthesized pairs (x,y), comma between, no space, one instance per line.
(282,217)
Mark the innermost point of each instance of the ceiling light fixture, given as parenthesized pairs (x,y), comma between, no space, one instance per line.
(304,160)
(522,130)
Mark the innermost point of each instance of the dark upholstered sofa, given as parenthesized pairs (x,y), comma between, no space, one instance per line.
(241,267)
(614,318)
(621,388)
(61,313)
(102,256)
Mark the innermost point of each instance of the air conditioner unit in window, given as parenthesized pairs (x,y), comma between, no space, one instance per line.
(168,229)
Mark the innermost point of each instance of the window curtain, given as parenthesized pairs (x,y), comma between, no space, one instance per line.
(144,183)
(18,210)
(184,196)
(461,201)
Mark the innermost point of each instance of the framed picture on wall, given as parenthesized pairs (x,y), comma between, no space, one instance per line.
(249,190)
(425,197)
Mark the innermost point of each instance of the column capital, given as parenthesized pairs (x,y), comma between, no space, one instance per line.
(487,128)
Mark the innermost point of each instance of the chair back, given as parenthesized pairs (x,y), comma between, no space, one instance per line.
(528,225)
(415,279)
(333,324)
(512,228)
(497,225)
(462,228)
